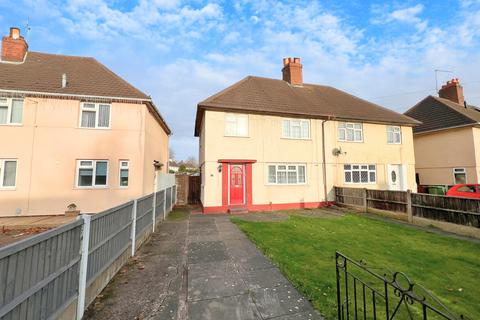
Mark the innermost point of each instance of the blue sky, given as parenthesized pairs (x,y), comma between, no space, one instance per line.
(180,52)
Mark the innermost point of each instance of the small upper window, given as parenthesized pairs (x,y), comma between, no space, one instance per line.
(8,173)
(123,174)
(236,125)
(296,129)
(460,175)
(92,173)
(351,132)
(95,115)
(394,135)
(11,111)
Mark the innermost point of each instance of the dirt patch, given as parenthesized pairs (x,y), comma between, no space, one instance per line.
(8,236)
(277,216)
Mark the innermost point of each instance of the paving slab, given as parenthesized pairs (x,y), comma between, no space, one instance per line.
(240,307)
(203,268)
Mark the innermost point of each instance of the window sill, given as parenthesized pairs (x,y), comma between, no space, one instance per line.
(11,124)
(350,141)
(91,188)
(285,184)
(304,139)
(88,128)
(226,136)
(8,188)
(394,143)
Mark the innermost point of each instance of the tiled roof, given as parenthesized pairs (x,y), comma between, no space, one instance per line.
(278,97)
(438,113)
(42,72)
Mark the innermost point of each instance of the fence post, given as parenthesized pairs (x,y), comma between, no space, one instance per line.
(82,274)
(154,203)
(171,198)
(365,199)
(134,226)
(164,204)
(409,206)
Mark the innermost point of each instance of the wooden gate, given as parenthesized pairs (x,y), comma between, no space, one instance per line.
(194,183)
(188,191)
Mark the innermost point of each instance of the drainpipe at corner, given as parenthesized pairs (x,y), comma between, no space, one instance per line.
(324,165)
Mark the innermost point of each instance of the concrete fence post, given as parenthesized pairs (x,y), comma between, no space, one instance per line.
(134,226)
(82,274)
(154,203)
(164,204)
(365,199)
(171,198)
(409,206)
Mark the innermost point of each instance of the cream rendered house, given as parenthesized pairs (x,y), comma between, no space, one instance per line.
(447,143)
(72,132)
(268,144)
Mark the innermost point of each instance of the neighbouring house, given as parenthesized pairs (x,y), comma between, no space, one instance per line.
(268,144)
(447,143)
(182,167)
(72,132)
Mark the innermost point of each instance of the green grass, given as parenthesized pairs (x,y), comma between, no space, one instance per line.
(304,249)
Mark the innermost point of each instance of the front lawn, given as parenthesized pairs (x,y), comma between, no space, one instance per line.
(304,249)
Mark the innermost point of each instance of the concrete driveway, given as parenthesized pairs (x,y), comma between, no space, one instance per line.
(201,268)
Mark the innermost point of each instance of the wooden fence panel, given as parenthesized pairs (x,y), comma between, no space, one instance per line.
(350,196)
(387,200)
(450,209)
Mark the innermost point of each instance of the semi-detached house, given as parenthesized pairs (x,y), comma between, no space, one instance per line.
(268,144)
(73,132)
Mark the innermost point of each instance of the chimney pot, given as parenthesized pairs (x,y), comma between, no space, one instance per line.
(292,71)
(14,46)
(452,91)
(64,80)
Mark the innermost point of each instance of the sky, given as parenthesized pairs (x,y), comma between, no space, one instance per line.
(181,52)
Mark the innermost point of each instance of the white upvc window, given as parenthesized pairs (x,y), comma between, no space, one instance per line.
(123,173)
(95,115)
(8,173)
(287,173)
(459,175)
(92,173)
(296,129)
(236,125)
(394,135)
(11,111)
(360,173)
(350,132)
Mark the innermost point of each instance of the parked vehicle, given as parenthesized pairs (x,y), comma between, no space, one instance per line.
(465,191)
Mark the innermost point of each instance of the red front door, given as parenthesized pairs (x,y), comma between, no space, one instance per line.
(237,184)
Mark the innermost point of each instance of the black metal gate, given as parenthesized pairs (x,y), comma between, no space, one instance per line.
(364,294)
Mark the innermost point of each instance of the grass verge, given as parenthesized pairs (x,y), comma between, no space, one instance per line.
(304,249)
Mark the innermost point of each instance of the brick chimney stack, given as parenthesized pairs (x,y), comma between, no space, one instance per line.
(14,46)
(292,71)
(452,91)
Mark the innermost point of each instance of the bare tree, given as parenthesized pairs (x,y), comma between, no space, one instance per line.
(172,153)
(192,161)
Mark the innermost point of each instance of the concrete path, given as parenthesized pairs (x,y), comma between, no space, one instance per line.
(201,268)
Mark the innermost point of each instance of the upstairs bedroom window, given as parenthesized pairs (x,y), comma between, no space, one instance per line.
(460,175)
(236,125)
(287,174)
(296,129)
(92,173)
(394,135)
(350,132)
(11,111)
(8,173)
(95,115)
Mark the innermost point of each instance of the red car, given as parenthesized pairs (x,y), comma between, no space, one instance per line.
(465,191)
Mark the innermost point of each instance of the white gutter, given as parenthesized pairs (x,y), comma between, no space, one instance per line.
(74,95)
